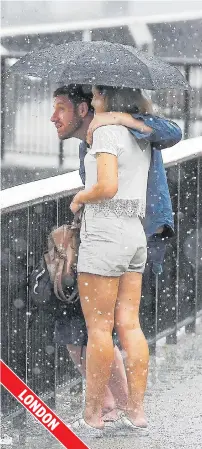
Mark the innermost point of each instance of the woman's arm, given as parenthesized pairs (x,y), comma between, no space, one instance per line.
(116,118)
(105,148)
(106,186)
(162,132)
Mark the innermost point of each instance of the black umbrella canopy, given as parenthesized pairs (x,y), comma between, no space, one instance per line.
(101,63)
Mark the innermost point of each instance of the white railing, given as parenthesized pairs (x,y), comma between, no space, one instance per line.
(69,183)
(104,22)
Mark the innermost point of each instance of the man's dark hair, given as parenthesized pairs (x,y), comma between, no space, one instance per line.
(77,93)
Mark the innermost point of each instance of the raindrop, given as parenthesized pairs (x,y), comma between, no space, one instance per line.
(50,349)
(18,303)
(36,370)
(38,209)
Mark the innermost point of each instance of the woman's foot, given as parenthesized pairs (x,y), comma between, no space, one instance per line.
(109,401)
(106,410)
(137,417)
(82,428)
(123,426)
(111,416)
(94,420)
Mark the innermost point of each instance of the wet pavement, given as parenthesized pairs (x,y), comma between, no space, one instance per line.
(173,403)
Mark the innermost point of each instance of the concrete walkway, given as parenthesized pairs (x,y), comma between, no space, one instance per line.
(173,403)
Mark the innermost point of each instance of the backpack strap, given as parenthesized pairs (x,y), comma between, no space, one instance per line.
(58,281)
(59,238)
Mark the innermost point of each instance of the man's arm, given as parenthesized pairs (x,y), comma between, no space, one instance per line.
(165,133)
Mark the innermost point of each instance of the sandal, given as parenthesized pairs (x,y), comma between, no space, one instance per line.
(123,424)
(81,428)
(125,421)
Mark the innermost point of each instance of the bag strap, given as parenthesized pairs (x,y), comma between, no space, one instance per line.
(76,223)
(58,281)
(59,239)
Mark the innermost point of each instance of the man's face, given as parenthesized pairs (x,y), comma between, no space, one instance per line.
(66,117)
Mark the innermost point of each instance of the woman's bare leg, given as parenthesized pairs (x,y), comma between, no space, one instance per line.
(118,387)
(133,343)
(118,380)
(98,295)
(80,363)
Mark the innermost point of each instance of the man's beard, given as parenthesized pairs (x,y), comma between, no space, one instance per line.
(73,132)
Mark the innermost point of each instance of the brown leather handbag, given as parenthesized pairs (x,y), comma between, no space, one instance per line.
(61,260)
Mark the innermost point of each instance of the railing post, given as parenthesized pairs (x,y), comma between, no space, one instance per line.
(191,328)
(172,338)
(155,315)
(86,36)
(187,104)
(61,153)
(3,111)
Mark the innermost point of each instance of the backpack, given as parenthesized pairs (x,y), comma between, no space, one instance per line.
(41,292)
(61,261)
(55,276)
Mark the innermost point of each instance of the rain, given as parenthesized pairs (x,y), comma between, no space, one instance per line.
(46,45)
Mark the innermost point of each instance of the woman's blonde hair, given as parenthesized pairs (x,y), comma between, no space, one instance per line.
(125,99)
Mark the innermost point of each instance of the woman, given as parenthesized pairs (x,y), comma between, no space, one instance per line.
(112,256)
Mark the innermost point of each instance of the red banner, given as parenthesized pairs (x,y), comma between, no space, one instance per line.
(39,409)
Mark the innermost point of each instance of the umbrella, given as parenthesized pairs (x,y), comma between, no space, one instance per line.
(101,63)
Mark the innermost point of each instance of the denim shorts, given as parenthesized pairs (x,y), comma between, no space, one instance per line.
(111,246)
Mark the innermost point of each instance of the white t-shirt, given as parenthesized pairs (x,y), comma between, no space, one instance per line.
(133,166)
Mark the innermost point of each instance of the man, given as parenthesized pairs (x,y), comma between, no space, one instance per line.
(73,117)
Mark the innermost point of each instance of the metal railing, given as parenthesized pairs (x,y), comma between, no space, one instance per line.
(27,103)
(169,301)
